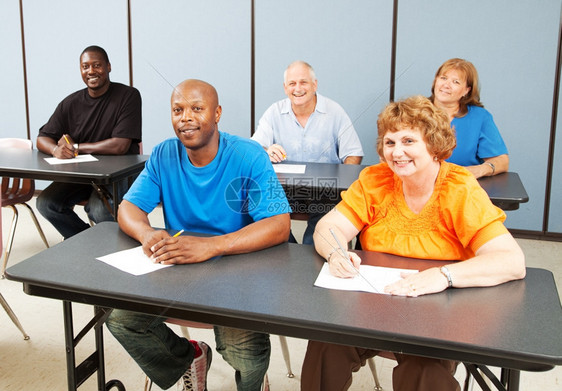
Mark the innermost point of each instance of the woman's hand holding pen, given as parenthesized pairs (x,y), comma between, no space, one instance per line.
(342,267)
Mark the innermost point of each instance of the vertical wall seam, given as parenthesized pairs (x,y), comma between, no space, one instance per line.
(24,62)
(252,67)
(130,42)
(551,143)
(393,50)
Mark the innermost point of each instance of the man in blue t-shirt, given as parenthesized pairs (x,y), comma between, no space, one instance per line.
(209,182)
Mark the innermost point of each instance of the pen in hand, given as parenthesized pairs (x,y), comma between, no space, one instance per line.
(68,142)
(153,247)
(346,256)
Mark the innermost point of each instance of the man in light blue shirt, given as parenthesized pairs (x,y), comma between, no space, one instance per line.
(307,127)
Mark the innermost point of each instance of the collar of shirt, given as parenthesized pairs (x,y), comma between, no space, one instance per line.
(320,105)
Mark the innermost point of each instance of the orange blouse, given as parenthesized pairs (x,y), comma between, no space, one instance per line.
(458,218)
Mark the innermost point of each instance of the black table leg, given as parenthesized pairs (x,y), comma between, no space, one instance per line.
(76,375)
(509,378)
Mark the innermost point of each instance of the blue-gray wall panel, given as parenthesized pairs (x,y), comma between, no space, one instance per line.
(12,108)
(555,215)
(54,44)
(347,43)
(178,40)
(513,46)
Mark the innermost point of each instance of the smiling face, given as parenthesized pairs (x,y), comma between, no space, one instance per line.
(195,116)
(95,73)
(300,86)
(405,152)
(449,87)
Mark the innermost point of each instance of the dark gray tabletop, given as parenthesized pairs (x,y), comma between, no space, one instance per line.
(324,182)
(31,164)
(505,190)
(515,325)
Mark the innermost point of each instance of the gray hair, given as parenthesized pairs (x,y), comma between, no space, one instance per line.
(300,62)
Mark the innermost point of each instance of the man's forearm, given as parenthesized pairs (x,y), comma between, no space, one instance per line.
(353,160)
(256,236)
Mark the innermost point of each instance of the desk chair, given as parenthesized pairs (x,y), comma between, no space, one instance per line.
(3,301)
(17,191)
(184,324)
(13,316)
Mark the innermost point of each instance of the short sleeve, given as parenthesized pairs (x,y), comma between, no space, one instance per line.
(264,132)
(146,190)
(491,142)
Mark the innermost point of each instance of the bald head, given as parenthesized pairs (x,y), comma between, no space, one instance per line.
(202,88)
(195,116)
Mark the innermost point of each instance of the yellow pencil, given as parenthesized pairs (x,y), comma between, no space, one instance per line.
(178,234)
(68,142)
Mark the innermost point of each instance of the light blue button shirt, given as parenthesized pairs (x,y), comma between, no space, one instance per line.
(328,137)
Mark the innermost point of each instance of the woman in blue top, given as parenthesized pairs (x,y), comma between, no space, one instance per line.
(480,147)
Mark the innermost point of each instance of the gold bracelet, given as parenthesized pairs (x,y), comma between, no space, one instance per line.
(330,255)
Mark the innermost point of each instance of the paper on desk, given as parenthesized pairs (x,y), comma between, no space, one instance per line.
(132,261)
(289,168)
(77,159)
(377,276)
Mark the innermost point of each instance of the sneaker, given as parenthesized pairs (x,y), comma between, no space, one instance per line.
(195,378)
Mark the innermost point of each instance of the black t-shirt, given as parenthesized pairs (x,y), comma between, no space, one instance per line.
(117,113)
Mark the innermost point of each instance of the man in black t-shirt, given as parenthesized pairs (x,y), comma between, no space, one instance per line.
(105,119)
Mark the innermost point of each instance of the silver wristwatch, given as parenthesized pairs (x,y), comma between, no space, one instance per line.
(445,271)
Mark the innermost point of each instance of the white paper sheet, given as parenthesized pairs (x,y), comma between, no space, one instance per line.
(281,168)
(132,261)
(377,276)
(77,159)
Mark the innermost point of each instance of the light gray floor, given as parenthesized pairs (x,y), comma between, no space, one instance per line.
(39,364)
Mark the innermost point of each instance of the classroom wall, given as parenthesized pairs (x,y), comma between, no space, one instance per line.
(512,44)
(12,107)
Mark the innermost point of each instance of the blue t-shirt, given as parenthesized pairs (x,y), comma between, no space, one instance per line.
(478,137)
(235,189)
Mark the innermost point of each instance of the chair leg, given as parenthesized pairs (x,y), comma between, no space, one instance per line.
(265,384)
(13,316)
(185,332)
(468,383)
(373,368)
(13,232)
(286,357)
(147,383)
(37,225)
(10,239)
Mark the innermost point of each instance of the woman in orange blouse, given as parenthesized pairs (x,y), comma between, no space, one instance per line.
(413,204)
